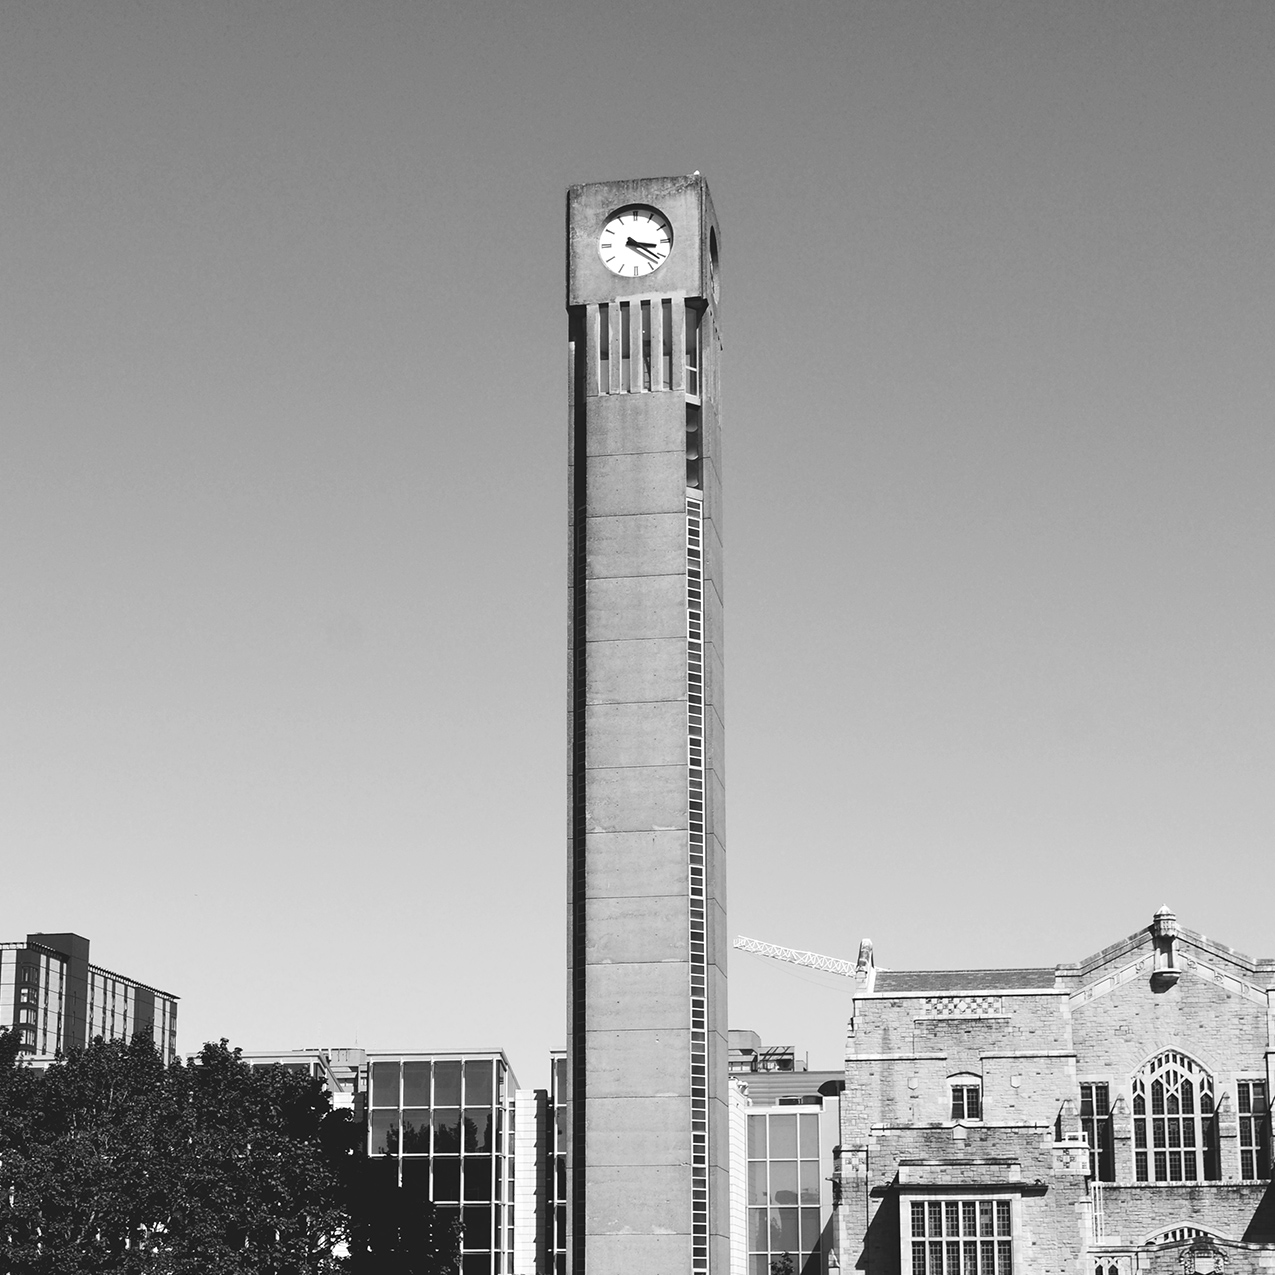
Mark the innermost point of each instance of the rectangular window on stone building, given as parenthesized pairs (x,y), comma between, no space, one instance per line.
(1095,1120)
(962,1237)
(1255,1129)
(967,1102)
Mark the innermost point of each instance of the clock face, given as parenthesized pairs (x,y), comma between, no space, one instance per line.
(635,241)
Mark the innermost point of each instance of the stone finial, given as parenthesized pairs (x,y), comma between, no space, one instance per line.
(1164,925)
(865,961)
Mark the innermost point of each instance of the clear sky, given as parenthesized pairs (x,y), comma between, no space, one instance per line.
(282,487)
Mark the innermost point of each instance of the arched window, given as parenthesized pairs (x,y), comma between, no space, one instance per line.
(1174,1134)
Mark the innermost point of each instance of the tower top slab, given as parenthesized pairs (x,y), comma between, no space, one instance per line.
(690,268)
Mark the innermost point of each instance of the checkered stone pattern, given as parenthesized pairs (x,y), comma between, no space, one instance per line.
(962,1006)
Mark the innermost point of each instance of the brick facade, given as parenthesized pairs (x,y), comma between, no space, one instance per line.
(1159,1048)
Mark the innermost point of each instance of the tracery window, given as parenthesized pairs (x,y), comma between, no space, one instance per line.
(1174,1133)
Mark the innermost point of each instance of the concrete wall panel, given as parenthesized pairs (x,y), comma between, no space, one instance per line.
(638,1063)
(636,607)
(651,994)
(632,931)
(636,545)
(633,864)
(644,734)
(649,482)
(639,1199)
(635,799)
(639,671)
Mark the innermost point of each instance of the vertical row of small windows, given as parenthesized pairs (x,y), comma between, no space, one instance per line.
(962,1237)
(696,841)
(1255,1129)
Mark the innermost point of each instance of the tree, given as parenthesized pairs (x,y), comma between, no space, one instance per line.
(111,1162)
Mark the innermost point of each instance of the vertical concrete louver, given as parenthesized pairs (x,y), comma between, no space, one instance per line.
(648,1153)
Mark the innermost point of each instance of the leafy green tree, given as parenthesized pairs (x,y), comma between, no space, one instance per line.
(111,1162)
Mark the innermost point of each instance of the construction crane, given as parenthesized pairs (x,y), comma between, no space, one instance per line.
(811,960)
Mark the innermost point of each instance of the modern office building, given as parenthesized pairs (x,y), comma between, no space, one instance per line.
(1103,1118)
(785,1129)
(56,1000)
(446,1119)
(647,1092)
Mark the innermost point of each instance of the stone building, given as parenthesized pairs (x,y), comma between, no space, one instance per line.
(1104,1118)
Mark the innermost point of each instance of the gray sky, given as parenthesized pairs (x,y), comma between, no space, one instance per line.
(282,487)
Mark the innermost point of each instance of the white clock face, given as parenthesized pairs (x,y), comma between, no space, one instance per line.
(635,241)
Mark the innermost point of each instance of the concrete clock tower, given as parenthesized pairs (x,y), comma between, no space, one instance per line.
(647,940)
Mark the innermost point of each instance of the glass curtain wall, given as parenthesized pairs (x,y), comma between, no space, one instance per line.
(783,1193)
(446,1121)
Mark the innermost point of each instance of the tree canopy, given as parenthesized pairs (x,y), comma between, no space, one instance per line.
(110,1161)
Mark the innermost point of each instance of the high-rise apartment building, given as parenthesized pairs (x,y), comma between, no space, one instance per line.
(56,1000)
(647,1094)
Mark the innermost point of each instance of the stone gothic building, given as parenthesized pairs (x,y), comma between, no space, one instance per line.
(1104,1118)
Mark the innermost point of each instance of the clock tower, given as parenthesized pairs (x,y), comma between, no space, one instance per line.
(647,939)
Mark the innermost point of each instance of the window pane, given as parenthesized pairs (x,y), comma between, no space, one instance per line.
(759,1264)
(476,1220)
(416,1084)
(756,1137)
(757,1182)
(478,1084)
(478,1129)
(447,1180)
(447,1084)
(476,1264)
(416,1131)
(447,1131)
(809,1230)
(783,1137)
(385,1084)
(952,1218)
(1002,1217)
(918,1219)
(384,1126)
(810,1182)
(809,1136)
(478,1178)
(783,1231)
(985,1217)
(416,1179)
(969,1226)
(918,1259)
(936,1218)
(783,1181)
(758,1231)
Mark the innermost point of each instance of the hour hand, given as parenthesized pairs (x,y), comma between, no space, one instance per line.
(646,249)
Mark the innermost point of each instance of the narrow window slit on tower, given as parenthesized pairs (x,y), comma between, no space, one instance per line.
(692,350)
(666,344)
(604,349)
(646,345)
(626,373)
(693,448)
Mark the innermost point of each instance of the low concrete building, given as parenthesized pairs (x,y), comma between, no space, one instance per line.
(1102,1118)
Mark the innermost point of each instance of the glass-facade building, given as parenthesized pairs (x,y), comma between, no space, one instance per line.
(447,1120)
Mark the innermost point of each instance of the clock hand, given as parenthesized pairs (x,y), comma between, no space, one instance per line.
(643,249)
